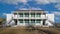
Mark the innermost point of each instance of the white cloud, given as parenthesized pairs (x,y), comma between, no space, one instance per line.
(57,13)
(45,1)
(36,8)
(42,1)
(58,6)
(33,8)
(23,8)
(48,2)
(47,12)
(57,18)
(38,2)
(25,1)
(13,1)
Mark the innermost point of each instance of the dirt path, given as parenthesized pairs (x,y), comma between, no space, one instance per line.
(19,30)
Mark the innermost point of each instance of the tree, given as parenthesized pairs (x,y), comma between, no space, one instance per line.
(1,20)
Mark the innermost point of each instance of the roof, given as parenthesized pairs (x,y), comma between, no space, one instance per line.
(28,11)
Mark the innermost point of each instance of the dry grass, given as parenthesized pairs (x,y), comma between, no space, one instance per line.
(24,30)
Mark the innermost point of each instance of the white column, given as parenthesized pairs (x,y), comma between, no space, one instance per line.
(41,19)
(41,22)
(18,23)
(35,22)
(24,24)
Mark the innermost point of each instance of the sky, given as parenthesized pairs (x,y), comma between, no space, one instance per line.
(50,6)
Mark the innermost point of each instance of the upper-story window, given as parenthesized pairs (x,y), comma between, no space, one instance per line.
(26,14)
(21,14)
(38,15)
(32,14)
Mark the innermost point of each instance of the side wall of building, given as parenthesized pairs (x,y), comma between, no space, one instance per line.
(50,19)
(9,20)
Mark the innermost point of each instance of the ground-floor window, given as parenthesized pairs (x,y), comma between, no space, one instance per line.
(31,21)
(26,21)
(38,21)
(21,21)
(38,15)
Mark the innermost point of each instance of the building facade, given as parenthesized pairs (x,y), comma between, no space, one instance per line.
(30,17)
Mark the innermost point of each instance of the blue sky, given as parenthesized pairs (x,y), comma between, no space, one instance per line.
(51,6)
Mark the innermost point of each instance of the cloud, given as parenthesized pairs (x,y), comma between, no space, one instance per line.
(37,1)
(36,8)
(42,1)
(25,1)
(58,6)
(57,18)
(23,8)
(45,1)
(57,13)
(13,1)
(33,8)
(48,2)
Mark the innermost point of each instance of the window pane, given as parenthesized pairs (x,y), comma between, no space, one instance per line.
(38,14)
(21,21)
(26,21)
(32,21)
(32,14)
(21,14)
(38,21)
(26,14)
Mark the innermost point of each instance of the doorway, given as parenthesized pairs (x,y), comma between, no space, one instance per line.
(15,21)
(44,22)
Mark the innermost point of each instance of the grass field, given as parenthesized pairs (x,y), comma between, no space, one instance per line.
(24,30)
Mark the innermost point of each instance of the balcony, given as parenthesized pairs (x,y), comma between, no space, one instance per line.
(18,17)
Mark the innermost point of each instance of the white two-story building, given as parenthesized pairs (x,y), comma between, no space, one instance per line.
(30,17)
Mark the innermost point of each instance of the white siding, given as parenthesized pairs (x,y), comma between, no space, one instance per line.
(8,18)
(50,17)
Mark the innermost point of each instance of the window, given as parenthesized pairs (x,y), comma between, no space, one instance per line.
(38,21)
(32,21)
(26,21)
(21,21)
(38,14)
(21,14)
(26,14)
(32,14)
